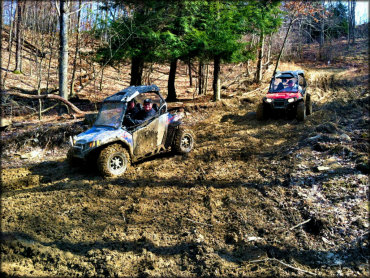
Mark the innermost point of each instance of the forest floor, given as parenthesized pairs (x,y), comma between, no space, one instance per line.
(272,198)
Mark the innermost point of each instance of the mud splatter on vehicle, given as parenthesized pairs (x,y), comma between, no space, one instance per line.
(116,139)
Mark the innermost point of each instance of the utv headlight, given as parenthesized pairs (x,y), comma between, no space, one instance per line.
(269,100)
(72,141)
(93,144)
(290,100)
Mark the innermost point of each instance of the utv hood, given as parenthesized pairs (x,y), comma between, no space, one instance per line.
(102,134)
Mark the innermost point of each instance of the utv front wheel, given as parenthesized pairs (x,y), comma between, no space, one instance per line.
(301,111)
(113,161)
(183,141)
(261,112)
(71,160)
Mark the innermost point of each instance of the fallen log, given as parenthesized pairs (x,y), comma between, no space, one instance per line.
(47,96)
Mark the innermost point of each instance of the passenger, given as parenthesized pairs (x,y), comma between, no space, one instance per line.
(143,115)
(290,86)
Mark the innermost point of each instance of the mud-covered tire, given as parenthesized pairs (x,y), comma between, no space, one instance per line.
(260,112)
(113,161)
(301,111)
(308,105)
(183,141)
(71,160)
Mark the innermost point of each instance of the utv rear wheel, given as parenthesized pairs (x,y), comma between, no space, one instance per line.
(113,161)
(183,141)
(301,111)
(308,105)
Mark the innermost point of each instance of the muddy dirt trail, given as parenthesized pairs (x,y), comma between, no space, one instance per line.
(270,198)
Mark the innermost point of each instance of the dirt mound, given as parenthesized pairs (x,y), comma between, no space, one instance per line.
(42,135)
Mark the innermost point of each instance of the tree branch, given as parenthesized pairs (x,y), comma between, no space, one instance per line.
(89,2)
(47,96)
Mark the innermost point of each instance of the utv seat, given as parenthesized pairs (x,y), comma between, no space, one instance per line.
(155,107)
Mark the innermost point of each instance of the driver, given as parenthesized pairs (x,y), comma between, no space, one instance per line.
(280,86)
(143,115)
(132,110)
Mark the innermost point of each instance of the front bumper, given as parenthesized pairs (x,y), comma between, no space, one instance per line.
(280,104)
(80,150)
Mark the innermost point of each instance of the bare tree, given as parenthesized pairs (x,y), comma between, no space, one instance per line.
(322,33)
(10,41)
(351,21)
(63,49)
(216,84)
(268,56)
(296,10)
(190,73)
(201,79)
(72,93)
(1,49)
(52,29)
(171,81)
(18,35)
(261,46)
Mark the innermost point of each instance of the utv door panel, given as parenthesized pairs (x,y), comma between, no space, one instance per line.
(162,129)
(145,138)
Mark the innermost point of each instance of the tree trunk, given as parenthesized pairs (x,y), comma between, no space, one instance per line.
(349,23)
(101,80)
(216,79)
(1,49)
(18,38)
(300,42)
(247,69)
(63,50)
(171,81)
(106,26)
(137,66)
(322,37)
(39,88)
(200,71)
(352,22)
(10,42)
(201,89)
(72,93)
(51,45)
(258,77)
(206,80)
(282,47)
(190,74)
(268,56)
